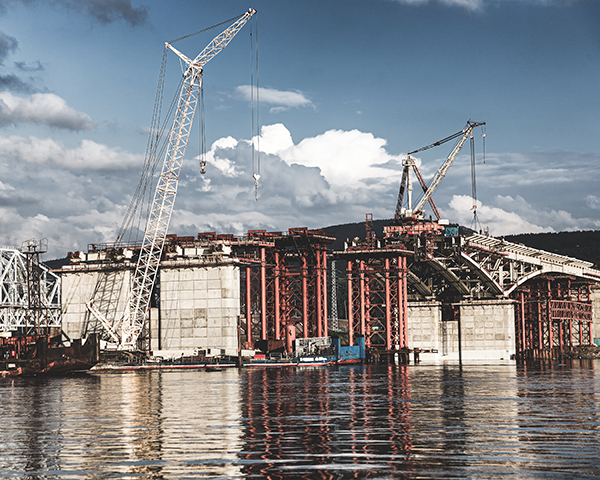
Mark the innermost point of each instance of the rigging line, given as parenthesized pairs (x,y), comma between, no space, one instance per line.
(254,116)
(447,139)
(202,132)
(206,29)
(483,135)
(252,102)
(473,176)
(257,99)
(152,159)
(149,146)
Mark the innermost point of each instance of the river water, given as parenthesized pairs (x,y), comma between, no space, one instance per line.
(342,422)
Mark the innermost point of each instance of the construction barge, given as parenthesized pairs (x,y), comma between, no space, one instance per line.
(28,355)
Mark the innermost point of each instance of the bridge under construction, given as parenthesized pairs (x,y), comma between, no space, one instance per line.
(444,292)
(425,286)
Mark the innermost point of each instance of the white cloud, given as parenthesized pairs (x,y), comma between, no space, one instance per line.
(468,4)
(42,108)
(345,158)
(593,202)
(478,4)
(498,220)
(77,195)
(88,155)
(506,215)
(281,99)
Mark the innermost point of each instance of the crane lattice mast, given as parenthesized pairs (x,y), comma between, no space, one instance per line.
(164,195)
(428,190)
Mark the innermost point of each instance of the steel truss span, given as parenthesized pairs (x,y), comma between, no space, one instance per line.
(15,301)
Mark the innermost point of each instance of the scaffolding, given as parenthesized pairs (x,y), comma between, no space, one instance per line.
(29,292)
(552,314)
(377,297)
(284,285)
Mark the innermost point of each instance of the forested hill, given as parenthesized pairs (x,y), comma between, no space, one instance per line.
(580,245)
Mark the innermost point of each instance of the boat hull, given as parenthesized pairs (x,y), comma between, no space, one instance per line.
(34,355)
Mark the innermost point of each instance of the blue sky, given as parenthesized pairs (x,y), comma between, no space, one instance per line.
(348,87)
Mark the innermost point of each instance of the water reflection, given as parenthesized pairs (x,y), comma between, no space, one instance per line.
(351,422)
(331,423)
(139,425)
(557,406)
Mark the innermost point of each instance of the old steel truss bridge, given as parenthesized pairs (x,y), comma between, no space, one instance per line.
(29,291)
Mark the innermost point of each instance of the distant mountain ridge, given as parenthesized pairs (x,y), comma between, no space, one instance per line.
(583,245)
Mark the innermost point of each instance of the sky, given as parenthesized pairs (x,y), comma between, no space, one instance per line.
(347,88)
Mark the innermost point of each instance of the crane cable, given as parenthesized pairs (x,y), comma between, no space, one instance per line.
(155,148)
(255,135)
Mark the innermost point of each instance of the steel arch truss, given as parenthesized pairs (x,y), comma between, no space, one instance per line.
(15,312)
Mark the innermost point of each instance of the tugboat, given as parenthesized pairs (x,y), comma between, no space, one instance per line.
(42,355)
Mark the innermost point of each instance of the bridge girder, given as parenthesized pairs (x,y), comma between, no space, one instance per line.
(485,267)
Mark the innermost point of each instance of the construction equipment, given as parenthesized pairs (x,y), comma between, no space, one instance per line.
(416,212)
(134,323)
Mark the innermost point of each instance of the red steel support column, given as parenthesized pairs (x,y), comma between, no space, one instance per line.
(561,335)
(319,295)
(350,309)
(249,341)
(404,300)
(522,322)
(304,297)
(324,277)
(570,332)
(388,310)
(540,326)
(263,293)
(362,299)
(276,300)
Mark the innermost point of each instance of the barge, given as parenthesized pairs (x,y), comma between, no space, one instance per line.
(41,355)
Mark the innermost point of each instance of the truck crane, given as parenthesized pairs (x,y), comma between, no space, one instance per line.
(135,319)
(416,213)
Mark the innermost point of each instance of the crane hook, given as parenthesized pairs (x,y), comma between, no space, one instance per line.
(255,176)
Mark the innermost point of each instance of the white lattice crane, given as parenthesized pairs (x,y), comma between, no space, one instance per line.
(135,319)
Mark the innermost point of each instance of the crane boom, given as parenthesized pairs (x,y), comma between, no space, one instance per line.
(441,173)
(166,189)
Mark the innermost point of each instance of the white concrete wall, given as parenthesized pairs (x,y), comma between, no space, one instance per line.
(487,331)
(78,287)
(199,309)
(424,321)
